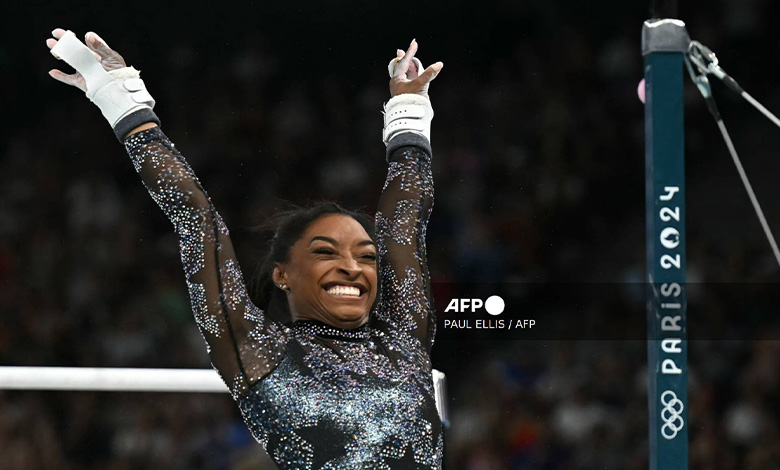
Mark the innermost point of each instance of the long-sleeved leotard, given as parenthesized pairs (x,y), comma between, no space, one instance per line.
(316,396)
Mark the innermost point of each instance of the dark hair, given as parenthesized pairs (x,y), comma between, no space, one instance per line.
(282,231)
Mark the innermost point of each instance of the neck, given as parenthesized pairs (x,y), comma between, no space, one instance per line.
(334,322)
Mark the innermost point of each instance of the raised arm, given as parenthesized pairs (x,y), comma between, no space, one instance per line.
(406,201)
(244,345)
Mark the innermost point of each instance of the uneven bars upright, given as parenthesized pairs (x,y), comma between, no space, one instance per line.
(664,43)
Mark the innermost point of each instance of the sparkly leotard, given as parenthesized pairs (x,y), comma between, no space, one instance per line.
(316,396)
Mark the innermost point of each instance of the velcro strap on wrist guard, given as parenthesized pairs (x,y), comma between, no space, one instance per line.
(117,93)
(408,112)
(125,95)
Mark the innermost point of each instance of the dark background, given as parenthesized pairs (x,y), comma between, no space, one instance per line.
(538,162)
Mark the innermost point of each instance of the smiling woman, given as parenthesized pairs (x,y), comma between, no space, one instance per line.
(348,384)
(314,234)
(323,234)
(331,273)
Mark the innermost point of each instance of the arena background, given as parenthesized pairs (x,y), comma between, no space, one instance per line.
(538,163)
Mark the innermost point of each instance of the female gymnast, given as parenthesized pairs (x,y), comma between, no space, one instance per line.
(346,385)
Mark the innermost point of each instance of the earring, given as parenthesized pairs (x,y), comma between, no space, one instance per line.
(283,287)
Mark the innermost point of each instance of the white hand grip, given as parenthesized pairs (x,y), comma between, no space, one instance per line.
(70,49)
(117,93)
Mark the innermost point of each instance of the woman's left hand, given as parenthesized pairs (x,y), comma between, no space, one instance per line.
(406,77)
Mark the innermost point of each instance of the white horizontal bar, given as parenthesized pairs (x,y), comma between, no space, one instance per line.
(111,379)
(125,379)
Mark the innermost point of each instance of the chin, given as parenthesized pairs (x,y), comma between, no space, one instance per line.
(349,315)
(352,311)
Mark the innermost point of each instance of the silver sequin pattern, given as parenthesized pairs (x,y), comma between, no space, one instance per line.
(316,396)
(220,303)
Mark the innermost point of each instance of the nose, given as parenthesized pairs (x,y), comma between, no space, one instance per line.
(348,265)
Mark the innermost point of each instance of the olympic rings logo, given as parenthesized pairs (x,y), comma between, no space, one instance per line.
(671,414)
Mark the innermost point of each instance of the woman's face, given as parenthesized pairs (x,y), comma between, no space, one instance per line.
(331,275)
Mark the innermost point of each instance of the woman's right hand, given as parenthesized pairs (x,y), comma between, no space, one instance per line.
(116,89)
(108,58)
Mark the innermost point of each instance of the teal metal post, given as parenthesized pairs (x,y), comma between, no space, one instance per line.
(664,42)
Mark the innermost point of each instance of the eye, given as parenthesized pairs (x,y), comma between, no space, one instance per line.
(369,256)
(324,251)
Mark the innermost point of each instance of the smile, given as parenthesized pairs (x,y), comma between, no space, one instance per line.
(344,291)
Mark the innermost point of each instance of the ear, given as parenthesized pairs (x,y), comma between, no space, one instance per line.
(280,274)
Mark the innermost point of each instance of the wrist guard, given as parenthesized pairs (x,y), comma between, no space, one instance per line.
(118,93)
(408,112)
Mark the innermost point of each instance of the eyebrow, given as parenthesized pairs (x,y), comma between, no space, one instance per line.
(334,242)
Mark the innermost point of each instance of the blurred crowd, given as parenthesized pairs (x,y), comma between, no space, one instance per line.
(538,167)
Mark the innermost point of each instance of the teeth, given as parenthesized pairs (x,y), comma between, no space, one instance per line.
(344,290)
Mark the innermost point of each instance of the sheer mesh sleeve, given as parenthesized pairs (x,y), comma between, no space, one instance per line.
(244,345)
(401,221)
